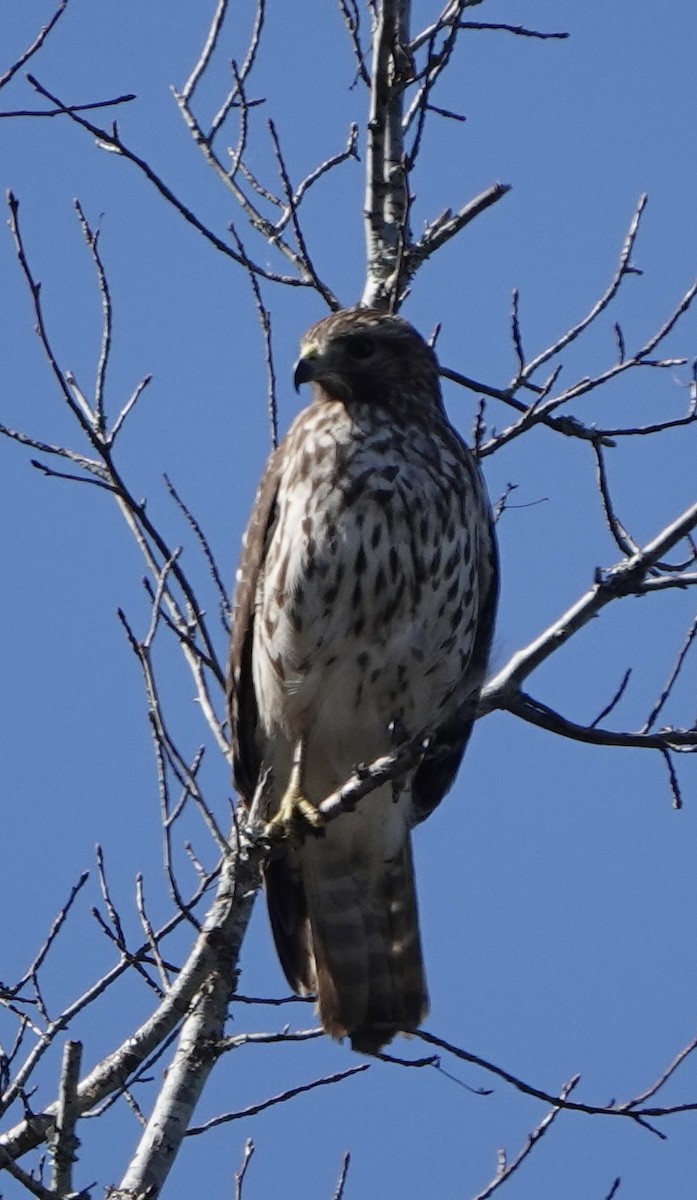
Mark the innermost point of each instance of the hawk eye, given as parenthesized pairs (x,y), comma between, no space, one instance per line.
(361,348)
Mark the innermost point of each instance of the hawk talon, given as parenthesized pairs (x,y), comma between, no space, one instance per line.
(258,838)
(295,814)
(397,731)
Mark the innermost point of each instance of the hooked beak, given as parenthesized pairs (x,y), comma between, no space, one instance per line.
(304,370)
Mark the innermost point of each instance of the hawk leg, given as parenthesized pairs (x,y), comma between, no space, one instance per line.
(296,811)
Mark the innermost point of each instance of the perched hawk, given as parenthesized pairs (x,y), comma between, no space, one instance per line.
(363,616)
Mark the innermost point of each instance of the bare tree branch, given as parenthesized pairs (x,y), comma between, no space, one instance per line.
(272,233)
(203,986)
(111,140)
(605,712)
(207,52)
(352,19)
(673,677)
(540,714)
(64,1144)
(506,1168)
(628,577)
(265,323)
(282,1098)
(448,225)
(623,540)
(625,267)
(35,45)
(614,1188)
(27,1181)
(343,1176)
(569,426)
(69,108)
(54,931)
(240,1175)
(223,592)
(517,29)
(634,1109)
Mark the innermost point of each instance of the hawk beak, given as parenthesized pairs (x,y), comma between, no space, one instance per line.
(304,370)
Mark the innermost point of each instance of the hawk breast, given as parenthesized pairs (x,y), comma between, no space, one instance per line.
(367,604)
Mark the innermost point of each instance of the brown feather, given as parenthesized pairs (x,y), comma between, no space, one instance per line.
(241,698)
(436,773)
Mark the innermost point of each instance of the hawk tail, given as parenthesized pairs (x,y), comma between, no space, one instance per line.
(354,941)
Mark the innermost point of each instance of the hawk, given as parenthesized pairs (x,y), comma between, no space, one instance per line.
(363,617)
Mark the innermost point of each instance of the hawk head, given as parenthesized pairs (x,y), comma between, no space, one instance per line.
(365,356)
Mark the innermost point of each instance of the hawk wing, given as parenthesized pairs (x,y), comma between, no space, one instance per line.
(287,908)
(436,772)
(242,704)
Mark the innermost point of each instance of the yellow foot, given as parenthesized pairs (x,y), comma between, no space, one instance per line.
(295,813)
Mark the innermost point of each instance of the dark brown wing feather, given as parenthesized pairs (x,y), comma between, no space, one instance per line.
(242,705)
(436,774)
(285,896)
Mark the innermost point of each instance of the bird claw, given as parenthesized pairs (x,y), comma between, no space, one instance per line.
(397,731)
(295,815)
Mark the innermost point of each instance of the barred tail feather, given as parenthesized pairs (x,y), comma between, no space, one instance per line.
(354,937)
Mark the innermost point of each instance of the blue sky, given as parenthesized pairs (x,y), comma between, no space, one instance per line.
(557,884)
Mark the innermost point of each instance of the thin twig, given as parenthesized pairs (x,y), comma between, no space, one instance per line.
(506,1169)
(343,1176)
(448,225)
(537,713)
(520,30)
(207,52)
(628,577)
(624,268)
(605,712)
(622,538)
(352,19)
(285,1035)
(307,276)
(628,1109)
(350,151)
(108,1076)
(35,45)
(55,929)
(672,678)
(85,420)
(115,934)
(236,96)
(151,936)
(239,1175)
(127,408)
(672,778)
(27,1181)
(515,331)
(67,109)
(569,426)
(92,239)
(265,323)
(280,1098)
(223,592)
(665,1076)
(303,260)
(111,140)
(185,776)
